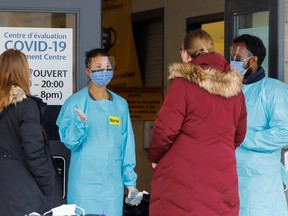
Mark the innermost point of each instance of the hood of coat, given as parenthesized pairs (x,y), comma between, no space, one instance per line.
(16,95)
(224,83)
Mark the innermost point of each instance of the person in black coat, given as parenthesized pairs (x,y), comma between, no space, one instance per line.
(27,175)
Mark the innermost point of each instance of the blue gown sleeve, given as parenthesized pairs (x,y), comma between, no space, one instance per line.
(128,150)
(72,131)
(242,125)
(275,135)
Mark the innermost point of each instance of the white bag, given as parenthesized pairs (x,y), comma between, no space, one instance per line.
(65,209)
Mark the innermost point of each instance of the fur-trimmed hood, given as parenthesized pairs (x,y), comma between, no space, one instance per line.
(16,95)
(225,84)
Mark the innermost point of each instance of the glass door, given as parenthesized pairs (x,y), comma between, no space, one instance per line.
(263,18)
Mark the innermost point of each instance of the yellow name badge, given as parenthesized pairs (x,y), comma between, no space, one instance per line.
(114,120)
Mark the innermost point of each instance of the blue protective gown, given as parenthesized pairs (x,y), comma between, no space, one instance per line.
(259,157)
(102,152)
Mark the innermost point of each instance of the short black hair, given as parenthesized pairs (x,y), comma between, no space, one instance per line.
(93,53)
(254,44)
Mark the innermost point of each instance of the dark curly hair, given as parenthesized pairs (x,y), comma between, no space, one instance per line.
(254,44)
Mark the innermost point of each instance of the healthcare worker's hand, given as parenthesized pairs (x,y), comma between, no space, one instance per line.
(134,197)
(80,115)
(131,190)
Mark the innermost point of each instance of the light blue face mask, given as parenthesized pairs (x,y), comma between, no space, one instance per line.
(101,77)
(238,65)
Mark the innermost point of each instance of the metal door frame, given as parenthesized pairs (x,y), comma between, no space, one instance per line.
(276,9)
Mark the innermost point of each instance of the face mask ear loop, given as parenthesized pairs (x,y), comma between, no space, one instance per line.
(247,58)
(248,67)
(81,210)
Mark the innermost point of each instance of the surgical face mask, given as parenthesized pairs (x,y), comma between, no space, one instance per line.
(65,209)
(239,65)
(101,77)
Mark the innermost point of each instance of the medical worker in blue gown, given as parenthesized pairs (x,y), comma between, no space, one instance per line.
(95,125)
(261,174)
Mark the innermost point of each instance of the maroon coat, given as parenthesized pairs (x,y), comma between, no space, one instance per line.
(201,122)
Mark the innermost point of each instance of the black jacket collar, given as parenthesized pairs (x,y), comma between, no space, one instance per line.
(259,75)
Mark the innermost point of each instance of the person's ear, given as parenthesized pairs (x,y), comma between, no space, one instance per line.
(88,72)
(185,56)
(254,64)
(254,60)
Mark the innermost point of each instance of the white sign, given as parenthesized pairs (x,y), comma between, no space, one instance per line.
(49,54)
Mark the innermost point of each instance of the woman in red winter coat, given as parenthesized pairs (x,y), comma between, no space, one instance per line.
(199,126)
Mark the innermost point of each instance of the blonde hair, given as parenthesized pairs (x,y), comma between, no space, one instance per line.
(198,42)
(14,70)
